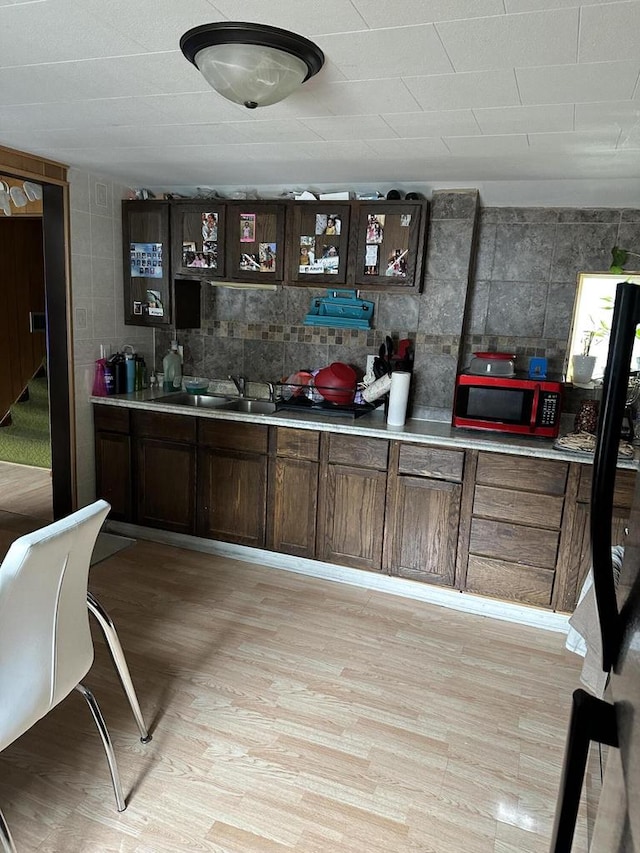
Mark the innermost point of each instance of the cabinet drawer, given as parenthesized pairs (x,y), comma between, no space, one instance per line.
(623,491)
(433,462)
(162,425)
(522,472)
(514,542)
(517,582)
(111,419)
(229,435)
(297,443)
(359,451)
(518,507)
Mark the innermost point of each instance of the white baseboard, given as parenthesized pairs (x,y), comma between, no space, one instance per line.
(493,608)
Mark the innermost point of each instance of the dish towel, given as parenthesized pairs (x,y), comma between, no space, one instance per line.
(584,630)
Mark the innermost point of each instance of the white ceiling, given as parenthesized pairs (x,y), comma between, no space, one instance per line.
(413,91)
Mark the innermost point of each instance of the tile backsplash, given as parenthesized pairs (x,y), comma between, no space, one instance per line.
(496,278)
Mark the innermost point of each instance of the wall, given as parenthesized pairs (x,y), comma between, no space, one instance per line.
(498,278)
(522,294)
(97,301)
(260,333)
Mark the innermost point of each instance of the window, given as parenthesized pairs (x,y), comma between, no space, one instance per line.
(592,314)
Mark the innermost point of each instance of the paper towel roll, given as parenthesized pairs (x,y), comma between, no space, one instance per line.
(398,398)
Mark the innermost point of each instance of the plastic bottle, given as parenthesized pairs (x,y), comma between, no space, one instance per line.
(99,384)
(109,378)
(119,373)
(141,374)
(130,365)
(172,369)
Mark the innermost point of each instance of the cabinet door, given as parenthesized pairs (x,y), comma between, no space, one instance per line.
(294,498)
(390,245)
(166,478)
(198,238)
(113,473)
(318,240)
(255,242)
(580,553)
(353,517)
(232,496)
(145,246)
(425,530)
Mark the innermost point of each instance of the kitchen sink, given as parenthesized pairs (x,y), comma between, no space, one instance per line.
(202,401)
(208,401)
(256,407)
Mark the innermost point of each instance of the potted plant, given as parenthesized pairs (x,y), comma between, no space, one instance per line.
(583,363)
(620,258)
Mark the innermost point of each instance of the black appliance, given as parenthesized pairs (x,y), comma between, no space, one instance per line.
(615,722)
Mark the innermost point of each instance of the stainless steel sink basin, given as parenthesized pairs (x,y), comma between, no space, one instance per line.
(208,401)
(203,401)
(256,407)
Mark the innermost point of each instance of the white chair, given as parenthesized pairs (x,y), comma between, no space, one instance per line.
(119,661)
(45,641)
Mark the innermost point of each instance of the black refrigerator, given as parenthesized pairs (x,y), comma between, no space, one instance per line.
(616,720)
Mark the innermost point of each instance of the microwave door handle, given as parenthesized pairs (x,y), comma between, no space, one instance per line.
(626,314)
(534,408)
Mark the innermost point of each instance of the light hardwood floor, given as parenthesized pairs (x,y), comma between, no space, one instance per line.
(25,490)
(293,715)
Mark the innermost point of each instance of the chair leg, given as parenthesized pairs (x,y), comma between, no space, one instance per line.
(119,661)
(6,841)
(106,742)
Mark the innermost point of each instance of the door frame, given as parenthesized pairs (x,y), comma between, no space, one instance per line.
(52,177)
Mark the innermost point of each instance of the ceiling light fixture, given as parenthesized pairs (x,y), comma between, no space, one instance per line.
(251,64)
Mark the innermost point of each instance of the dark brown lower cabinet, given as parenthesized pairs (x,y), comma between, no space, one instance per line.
(166,477)
(353,517)
(425,530)
(113,473)
(232,494)
(232,482)
(292,501)
(165,470)
(113,460)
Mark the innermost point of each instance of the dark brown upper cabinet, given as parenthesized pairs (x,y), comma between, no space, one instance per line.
(318,242)
(390,245)
(255,242)
(198,239)
(146,258)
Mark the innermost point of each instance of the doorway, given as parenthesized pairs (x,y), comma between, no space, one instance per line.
(52,178)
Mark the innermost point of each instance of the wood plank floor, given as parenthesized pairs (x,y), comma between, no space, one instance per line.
(25,490)
(293,715)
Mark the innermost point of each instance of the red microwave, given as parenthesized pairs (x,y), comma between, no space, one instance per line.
(518,405)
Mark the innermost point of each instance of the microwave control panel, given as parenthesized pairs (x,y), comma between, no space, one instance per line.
(548,408)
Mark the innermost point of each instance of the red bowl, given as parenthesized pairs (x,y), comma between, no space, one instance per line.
(337,383)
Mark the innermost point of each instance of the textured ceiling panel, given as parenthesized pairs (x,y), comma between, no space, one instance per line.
(446,90)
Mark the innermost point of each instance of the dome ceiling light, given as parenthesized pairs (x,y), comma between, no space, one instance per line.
(251,64)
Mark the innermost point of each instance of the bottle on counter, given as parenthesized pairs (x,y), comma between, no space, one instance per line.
(99,384)
(109,378)
(142,378)
(130,369)
(119,368)
(172,369)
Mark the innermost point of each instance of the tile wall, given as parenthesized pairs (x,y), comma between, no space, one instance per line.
(260,333)
(97,303)
(496,278)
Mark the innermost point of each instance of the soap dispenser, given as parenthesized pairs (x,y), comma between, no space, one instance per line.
(172,369)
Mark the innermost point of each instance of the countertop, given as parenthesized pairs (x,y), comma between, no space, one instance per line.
(373,424)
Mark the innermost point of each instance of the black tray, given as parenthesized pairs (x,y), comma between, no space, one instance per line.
(304,404)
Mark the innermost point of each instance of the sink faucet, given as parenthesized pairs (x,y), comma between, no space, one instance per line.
(240,383)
